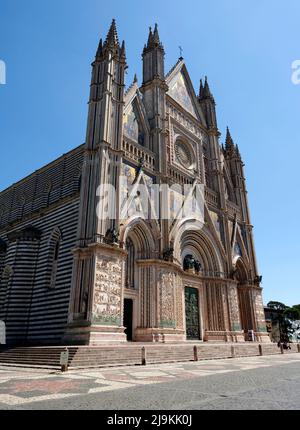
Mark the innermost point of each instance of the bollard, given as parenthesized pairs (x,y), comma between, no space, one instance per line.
(144,358)
(281,348)
(260,350)
(64,360)
(232,351)
(196,353)
(298,346)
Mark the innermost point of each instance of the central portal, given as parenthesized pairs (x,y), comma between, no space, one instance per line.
(192,313)
(128,317)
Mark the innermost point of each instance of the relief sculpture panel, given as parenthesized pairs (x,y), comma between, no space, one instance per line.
(234,309)
(167,289)
(107,293)
(259,311)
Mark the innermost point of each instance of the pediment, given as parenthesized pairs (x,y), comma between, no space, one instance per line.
(182,91)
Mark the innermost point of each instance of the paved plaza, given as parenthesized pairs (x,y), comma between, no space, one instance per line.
(269,382)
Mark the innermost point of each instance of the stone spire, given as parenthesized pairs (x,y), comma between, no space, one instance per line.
(229,145)
(112,36)
(207,102)
(156,39)
(205,92)
(123,51)
(111,44)
(201,89)
(99,53)
(153,58)
(153,40)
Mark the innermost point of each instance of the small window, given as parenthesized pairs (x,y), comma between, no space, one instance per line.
(54,265)
(53,257)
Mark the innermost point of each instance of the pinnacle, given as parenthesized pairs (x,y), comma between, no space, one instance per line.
(153,39)
(229,141)
(205,92)
(112,35)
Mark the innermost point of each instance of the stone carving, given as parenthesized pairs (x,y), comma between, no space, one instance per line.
(107,295)
(167,288)
(259,311)
(190,264)
(234,308)
(183,119)
(168,254)
(112,237)
(179,305)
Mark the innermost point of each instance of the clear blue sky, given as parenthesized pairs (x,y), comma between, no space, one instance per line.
(245,47)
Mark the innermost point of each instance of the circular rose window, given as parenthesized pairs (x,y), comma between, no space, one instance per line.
(183,154)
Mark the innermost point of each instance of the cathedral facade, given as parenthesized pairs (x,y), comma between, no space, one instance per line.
(81,264)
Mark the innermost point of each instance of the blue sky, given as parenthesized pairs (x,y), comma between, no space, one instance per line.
(245,47)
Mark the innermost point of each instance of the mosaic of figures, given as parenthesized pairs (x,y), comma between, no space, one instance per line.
(178,90)
(131,127)
(135,201)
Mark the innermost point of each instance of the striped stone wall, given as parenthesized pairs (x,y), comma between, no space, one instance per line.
(34,303)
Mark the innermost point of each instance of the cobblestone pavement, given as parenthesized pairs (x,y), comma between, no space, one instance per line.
(269,382)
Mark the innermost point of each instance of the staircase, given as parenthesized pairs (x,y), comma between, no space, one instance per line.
(132,354)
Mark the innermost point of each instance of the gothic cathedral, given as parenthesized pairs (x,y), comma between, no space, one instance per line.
(71,274)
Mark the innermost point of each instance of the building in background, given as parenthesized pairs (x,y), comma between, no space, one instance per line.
(70,275)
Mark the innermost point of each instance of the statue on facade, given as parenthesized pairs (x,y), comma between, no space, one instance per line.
(112,237)
(168,255)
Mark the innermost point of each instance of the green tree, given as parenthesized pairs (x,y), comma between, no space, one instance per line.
(277,306)
(297,307)
(282,318)
(292,313)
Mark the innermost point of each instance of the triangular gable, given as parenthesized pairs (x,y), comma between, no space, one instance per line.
(210,222)
(179,92)
(135,120)
(182,91)
(238,249)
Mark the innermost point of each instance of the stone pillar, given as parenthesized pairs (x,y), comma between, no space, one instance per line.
(96,313)
(261,334)
(234,314)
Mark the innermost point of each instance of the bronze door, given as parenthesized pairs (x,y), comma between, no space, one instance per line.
(192,313)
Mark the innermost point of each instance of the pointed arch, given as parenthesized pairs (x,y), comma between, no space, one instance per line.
(5,283)
(199,242)
(54,245)
(141,235)
(47,193)
(241,271)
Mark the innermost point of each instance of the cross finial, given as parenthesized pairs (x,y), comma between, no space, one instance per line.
(181,51)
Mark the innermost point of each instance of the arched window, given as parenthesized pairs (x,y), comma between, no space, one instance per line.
(5,282)
(47,193)
(130,264)
(21,205)
(53,256)
(3,248)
